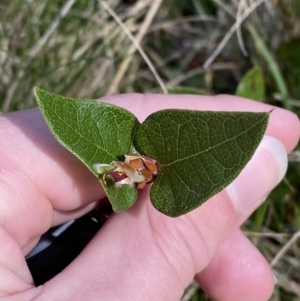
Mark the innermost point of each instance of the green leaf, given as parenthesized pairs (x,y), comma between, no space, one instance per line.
(95,132)
(199,153)
(288,53)
(252,85)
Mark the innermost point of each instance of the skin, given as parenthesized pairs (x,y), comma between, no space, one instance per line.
(139,254)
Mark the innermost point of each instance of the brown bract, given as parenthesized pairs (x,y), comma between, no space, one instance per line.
(135,170)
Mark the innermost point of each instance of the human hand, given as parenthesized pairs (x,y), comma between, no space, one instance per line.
(139,254)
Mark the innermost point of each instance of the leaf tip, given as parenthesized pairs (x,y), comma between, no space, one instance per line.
(37,92)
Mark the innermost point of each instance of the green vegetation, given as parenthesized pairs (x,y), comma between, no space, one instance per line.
(78,49)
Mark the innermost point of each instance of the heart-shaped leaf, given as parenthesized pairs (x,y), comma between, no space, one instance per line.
(199,153)
(95,132)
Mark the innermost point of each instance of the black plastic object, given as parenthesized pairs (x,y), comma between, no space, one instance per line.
(59,246)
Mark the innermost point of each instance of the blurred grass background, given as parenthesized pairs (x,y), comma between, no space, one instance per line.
(88,49)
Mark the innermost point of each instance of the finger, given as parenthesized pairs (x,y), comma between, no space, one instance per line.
(283,125)
(12,271)
(238,271)
(46,177)
(39,179)
(29,146)
(146,255)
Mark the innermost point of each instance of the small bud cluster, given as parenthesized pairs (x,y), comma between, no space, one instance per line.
(136,170)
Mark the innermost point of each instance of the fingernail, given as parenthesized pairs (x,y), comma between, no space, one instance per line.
(262,173)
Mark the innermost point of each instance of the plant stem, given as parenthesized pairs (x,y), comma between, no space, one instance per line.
(272,65)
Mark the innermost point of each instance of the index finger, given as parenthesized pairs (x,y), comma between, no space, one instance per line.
(283,125)
(39,177)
